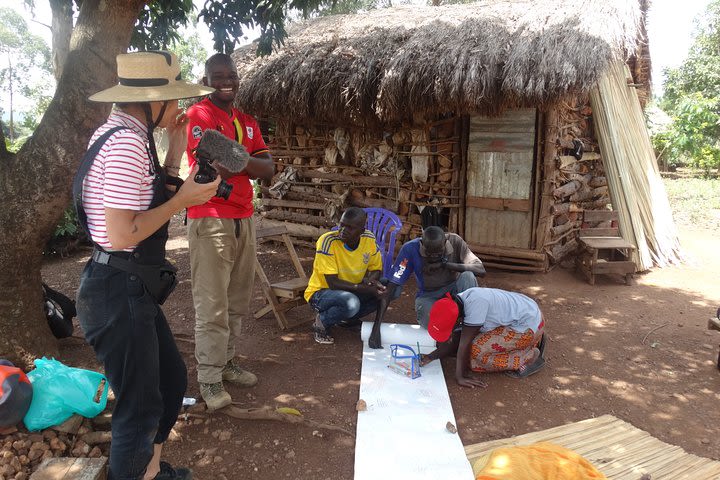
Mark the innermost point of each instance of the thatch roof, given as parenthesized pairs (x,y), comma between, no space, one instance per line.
(480,57)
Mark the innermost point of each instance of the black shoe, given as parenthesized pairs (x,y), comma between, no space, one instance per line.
(352,325)
(541,346)
(169,473)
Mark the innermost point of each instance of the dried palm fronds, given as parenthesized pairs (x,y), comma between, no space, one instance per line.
(636,189)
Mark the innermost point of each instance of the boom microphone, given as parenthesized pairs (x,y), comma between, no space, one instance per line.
(216,147)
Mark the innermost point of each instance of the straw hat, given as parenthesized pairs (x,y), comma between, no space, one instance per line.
(149,77)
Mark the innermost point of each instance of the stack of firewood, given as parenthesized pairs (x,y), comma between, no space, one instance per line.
(337,167)
(580,178)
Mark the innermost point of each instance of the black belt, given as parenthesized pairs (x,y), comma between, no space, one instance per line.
(107,258)
(121,261)
(158,279)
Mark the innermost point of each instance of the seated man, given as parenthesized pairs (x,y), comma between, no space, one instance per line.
(442,263)
(344,285)
(490,330)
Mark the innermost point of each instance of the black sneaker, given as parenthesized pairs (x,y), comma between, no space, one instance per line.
(322,336)
(169,473)
(352,325)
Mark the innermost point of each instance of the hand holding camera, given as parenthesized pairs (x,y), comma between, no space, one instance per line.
(216,152)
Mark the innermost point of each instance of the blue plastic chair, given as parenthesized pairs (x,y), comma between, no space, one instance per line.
(385,225)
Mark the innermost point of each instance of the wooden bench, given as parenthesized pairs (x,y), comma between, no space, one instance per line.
(602,250)
(286,294)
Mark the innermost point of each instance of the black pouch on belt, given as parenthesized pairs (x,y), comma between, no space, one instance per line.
(159,280)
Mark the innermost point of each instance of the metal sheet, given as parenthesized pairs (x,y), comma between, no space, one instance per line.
(500,166)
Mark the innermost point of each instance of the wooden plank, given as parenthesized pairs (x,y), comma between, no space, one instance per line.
(503,204)
(270,231)
(290,288)
(599,215)
(67,468)
(507,252)
(546,173)
(621,267)
(272,202)
(605,242)
(598,232)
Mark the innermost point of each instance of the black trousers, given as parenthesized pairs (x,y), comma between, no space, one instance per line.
(131,337)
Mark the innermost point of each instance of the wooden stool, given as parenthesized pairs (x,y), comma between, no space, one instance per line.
(603,250)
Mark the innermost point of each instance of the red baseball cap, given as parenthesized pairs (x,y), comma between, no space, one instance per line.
(443,316)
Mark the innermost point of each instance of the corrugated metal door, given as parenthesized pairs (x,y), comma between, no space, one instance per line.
(499,180)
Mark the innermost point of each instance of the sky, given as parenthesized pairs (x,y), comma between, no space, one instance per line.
(670,27)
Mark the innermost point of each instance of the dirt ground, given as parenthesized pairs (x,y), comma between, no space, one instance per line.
(641,353)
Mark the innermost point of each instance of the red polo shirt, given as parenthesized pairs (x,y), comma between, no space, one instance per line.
(240,127)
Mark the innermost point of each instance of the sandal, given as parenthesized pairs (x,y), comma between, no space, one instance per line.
(322,336)
(527,370)
(541,346)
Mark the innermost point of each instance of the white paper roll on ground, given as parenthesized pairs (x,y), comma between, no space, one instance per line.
(399,333)
(405,419)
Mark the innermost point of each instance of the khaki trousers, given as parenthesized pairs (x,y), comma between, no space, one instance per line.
(222,267)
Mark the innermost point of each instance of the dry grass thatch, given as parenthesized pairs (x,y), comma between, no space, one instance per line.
(482,57)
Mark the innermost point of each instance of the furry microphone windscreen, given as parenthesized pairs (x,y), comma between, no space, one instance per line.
(216,147)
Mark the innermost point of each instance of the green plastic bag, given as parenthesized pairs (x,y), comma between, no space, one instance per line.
(60,391)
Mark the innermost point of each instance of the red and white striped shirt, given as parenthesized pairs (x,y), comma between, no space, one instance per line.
(120,177)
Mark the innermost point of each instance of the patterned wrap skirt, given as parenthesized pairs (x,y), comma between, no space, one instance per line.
(503,349)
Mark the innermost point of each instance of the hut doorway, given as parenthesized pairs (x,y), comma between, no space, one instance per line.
(500,173)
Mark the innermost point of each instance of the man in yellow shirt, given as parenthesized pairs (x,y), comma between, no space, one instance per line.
(344,285)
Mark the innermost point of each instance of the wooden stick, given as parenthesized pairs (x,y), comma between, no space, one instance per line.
(268,413)
(651,331)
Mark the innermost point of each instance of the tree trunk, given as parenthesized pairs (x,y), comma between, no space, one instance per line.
(36,183)
(62,26)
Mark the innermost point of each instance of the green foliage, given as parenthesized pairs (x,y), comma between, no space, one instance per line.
(695,199)
(191,53)
(68,226)
(26,70)
(692,98)
(159,22)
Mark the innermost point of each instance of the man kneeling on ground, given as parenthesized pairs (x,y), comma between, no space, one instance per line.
(491,330)
(344,285)
(442,263)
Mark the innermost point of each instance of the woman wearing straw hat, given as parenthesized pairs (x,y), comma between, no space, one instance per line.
(125,201)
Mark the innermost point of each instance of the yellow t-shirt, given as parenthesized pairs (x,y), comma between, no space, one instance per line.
(333,258)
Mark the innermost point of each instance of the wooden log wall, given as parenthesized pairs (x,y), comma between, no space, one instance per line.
(323,169)
(576,184)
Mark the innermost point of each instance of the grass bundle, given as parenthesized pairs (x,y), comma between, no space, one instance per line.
(636,188)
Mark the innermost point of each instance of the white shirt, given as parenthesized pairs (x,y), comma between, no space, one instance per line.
(490,308)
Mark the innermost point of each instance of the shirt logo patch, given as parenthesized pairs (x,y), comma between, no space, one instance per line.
(366,258)
(251,133)
(196,132)
(401,269)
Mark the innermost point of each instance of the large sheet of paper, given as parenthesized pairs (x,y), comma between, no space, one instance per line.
(402,434)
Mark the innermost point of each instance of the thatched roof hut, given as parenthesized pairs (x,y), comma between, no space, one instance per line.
(475,110)
(481,58)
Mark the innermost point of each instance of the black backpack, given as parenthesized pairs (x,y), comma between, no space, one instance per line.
(60,311)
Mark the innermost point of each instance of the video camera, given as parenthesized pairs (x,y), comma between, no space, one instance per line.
(216,147)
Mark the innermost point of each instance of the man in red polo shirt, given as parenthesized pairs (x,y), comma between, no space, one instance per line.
(221,234)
